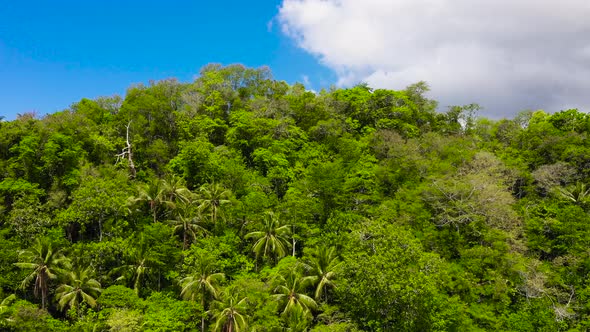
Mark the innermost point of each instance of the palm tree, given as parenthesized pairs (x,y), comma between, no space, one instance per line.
(78,287)
(322,264)
(271,240)
(141,260)
(188,221)
(229,312)
(202,284)
(296,321)
(155,195)
(213,197)
(45,261)
(578,193)
(290,293)
(175,190)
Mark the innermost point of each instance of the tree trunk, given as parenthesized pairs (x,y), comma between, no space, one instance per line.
(127,152)
(43,286)
(203,314)
(43,296)
(130,155)
(78,308)
(69,231)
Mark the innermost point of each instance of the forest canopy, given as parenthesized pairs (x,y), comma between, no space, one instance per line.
(241,203)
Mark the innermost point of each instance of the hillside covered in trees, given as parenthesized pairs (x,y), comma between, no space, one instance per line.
(241,203)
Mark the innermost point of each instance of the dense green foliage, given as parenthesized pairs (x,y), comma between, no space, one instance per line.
(241,203)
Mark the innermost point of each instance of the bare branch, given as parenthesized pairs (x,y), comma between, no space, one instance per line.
(126,152)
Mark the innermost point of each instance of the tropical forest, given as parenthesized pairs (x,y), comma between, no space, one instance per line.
(237,202)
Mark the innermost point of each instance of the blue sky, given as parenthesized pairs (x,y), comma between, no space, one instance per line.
(497,54)
(53,53)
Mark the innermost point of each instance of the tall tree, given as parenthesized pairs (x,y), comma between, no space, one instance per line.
(78,287)
(45,261)
(290,293)
(388,282)
(229,312)
(154,194)
(141,259)
(322,264)
(271,239)
(175,190)
(188,221)
(202,284)
(96,203)
(213,197)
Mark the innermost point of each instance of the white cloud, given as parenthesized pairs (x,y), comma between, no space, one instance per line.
(507,55)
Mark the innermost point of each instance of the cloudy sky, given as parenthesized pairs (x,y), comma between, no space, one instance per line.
(506,55)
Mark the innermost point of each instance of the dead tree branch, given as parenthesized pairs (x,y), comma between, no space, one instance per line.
(127,152)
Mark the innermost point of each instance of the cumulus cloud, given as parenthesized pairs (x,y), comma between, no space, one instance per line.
(506,55)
